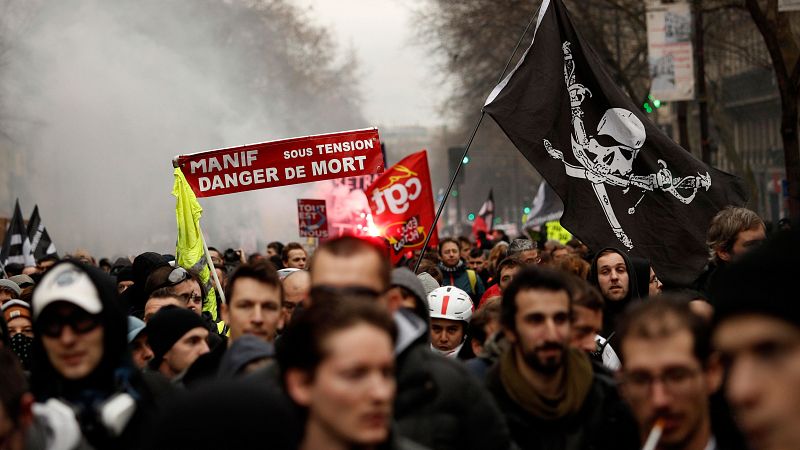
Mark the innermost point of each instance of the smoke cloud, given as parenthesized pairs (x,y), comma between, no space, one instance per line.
(98,97)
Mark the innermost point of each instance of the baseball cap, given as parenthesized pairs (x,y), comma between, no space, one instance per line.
(135,328)
(16,308)
(66,282)
(22,281)
(8,284)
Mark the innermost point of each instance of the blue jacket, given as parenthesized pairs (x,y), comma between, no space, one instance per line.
(457,276)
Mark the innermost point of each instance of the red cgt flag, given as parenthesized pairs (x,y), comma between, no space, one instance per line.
(401,201)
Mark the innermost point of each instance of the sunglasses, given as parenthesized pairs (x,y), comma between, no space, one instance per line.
(178,275)
(80,321)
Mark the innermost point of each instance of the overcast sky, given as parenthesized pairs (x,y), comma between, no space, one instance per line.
(398,81)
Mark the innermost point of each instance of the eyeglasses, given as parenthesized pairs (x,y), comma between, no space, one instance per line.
(80,321)
(177,275)
(191,298)
(676,380)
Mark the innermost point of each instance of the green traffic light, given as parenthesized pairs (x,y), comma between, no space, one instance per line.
(526,210)
(657,103)
(648,109)
(471,217)
(466,160)
(454,193)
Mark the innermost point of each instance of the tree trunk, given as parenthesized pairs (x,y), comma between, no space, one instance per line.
(791,151)
(787,74)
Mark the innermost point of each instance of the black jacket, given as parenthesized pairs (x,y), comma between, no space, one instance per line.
(439,404)
(114,378)
(707,282)
(603,423)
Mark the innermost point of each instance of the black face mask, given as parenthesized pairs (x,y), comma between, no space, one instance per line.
(21,345)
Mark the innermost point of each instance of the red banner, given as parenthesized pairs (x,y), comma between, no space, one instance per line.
(312,218)
(401,201)
(283,162)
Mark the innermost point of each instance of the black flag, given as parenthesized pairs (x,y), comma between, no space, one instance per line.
(41,244)
(45,246)
(35,227)
(624,183)
(546,207)
(16,245)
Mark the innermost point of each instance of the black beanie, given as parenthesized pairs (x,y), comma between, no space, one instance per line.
(762,282)
(125,274)
(145,264)
(166,327)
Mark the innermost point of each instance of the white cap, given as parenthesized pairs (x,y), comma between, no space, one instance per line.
(66,282)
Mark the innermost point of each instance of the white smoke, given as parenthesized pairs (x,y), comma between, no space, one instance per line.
(105,93)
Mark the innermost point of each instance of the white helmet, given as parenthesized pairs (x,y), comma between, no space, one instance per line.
(450,302)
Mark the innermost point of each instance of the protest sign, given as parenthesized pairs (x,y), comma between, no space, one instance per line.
(283,162)
(312,218)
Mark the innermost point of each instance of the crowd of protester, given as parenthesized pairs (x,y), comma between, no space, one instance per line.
(494,344)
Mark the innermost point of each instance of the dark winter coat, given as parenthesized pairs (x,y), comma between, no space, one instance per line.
(439,404)
(706,283)
(603,423)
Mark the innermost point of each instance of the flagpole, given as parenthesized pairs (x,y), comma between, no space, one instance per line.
(211,265)
(469,144)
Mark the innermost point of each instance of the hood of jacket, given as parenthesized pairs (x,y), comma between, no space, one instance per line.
(47,382)
(633,285)
(242,352)
(612,310)
(641,276)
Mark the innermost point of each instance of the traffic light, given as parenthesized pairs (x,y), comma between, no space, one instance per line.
(526,210)
(652,104)
(466,160)
(471,217)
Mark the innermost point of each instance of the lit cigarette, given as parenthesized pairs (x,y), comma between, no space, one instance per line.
(655,435)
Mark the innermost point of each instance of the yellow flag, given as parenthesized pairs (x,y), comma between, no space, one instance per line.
(189,253)
(557,232)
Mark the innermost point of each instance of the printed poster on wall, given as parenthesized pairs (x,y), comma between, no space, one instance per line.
(669,46)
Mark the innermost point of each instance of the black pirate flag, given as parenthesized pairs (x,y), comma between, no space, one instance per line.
(624,183)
